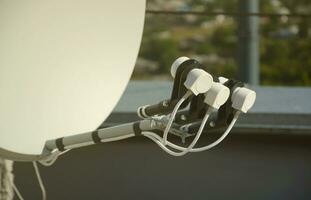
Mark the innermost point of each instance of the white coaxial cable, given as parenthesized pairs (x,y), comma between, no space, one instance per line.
(36,168)
(158,140)
(173,114)
(224,135)
(184,151)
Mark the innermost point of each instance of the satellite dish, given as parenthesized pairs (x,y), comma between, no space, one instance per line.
(63,67)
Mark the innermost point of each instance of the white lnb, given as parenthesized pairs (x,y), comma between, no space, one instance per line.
(243,99)
(217,95)
(176,64)
(198,81)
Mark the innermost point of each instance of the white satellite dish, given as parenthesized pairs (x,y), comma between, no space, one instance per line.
(63,66)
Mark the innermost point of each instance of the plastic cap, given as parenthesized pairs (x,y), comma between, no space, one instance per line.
(222,80)
(243,99)
(176,64)
(217,95)
(198,81)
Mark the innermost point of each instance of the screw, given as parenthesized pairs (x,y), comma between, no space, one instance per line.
(165,103)
(183,117)
(212,124)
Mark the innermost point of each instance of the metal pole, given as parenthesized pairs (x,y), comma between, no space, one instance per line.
(248,43)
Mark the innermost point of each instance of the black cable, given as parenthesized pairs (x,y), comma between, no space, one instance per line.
(233,14)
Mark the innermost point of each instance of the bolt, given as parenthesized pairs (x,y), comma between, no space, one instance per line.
(165,103)
(212,124)
(183,117)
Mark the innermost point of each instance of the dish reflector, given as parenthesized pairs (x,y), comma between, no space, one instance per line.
(63,66)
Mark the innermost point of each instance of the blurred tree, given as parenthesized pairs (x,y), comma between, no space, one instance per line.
(164,51)
(285,43)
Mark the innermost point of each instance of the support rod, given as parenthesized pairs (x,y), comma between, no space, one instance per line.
(101,135)
(248,42)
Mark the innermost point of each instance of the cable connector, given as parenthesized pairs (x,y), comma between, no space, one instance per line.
(243,99)
(217,95)
(198,81)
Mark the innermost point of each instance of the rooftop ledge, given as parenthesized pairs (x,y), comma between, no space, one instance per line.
(278,110)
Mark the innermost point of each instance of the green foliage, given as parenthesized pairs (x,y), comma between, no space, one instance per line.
(284,59)
(286,62)
(165,51)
